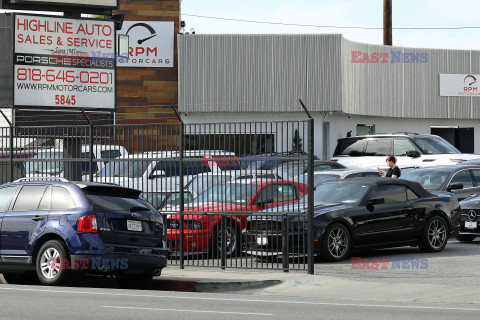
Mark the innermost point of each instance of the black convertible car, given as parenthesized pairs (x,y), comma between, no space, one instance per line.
(355,213)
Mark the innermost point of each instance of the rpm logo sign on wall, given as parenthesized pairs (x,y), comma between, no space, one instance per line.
(459,85)
(65,63)
(151,44)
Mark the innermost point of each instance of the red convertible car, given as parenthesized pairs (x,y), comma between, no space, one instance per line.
(202,228)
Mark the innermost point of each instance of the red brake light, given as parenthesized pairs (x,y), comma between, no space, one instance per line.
(87,224)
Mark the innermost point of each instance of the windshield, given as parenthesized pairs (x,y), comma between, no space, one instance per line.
(428,179)
(237,193)
(129,169)
(347,193)
(433,145)
(50,167)
(201,183)
(318,179)
(290,170)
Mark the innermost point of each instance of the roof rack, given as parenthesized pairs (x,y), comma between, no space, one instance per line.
(406,132)
(41,178)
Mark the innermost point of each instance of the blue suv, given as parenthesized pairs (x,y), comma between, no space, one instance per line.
(53,228)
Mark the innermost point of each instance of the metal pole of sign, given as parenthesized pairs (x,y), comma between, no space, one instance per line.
(90,143)
(10,124)
(310,228)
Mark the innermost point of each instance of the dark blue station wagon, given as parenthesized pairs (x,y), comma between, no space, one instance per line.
(52,228)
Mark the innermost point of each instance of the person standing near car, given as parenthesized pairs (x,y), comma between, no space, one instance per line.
(393,170)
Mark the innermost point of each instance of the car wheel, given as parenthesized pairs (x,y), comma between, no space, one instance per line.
(466,237)
(49,265)
(435,235)
(232,237)
(336,243)
(135,281)
(20,278)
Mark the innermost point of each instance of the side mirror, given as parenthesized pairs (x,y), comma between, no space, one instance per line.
(375,201)
(264,201)
(455,186)
(413,154)
(158,174)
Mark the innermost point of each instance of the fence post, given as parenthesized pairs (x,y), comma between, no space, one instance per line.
(10,124)
(310,222)
(182,197)
(285,243)
(223,224)
(90,143)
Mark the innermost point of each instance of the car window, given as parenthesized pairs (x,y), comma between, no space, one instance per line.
(428,179)
(463,177)
(45,203)
(378,147)
(350,147)
(391,193)
(5,196)
(371,174)
(286,192)
(476,175)
(110,154)
(354,175)
(411,195)
(61,199)
(401,146)
(29,198)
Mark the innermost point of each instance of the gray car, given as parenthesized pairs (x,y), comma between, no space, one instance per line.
(461,180)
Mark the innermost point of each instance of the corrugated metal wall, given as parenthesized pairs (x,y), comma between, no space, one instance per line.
(269,73)
(240,73)
(6,60)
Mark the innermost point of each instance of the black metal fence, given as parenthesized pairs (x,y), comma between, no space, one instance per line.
(232,194)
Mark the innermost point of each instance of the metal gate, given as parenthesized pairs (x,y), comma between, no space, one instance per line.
(232,194)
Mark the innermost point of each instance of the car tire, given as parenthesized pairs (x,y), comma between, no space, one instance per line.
(466,237)
(336,243)
(20,278)
(48,272)
(233,240)
(135,281)
(435,235)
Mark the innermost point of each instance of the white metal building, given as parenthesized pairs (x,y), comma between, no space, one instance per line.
(347,86)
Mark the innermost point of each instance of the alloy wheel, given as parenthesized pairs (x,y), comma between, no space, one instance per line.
(437,234)
(50,263)
(337,242)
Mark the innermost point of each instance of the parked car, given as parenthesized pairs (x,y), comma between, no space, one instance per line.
(462,181)
(202,181)
(469,219)
(160,171)
(320,177)
(292,169)
(269,161)
(164,199)
(48,162)
(411,150)
(97,227)
(361,213)
(232,201)
(18,167)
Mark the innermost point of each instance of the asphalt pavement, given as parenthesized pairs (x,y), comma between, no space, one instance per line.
(445,288)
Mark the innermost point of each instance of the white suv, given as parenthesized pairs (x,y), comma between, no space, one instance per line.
(411,150)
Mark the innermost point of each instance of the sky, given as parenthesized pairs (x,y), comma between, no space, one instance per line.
(363,13)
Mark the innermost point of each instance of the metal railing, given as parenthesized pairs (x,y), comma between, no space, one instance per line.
(232,194)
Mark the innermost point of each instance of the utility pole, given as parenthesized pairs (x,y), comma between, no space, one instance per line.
(387,22)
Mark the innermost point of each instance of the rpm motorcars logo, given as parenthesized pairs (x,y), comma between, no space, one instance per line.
(458,85)
(150,44)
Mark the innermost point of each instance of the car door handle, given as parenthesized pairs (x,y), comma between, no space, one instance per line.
(37,218)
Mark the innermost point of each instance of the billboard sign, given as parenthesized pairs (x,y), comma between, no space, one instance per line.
(104,4)
(64,63)
(151,44)
(459,85)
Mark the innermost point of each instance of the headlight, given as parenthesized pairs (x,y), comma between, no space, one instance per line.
(173,224)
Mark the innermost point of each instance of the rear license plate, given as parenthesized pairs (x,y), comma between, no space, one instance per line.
(470,224)
(134,225)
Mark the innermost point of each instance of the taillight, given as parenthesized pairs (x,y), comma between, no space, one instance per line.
(87,224)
